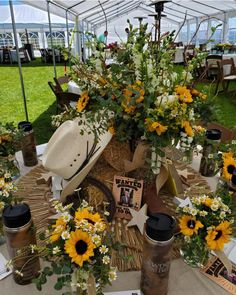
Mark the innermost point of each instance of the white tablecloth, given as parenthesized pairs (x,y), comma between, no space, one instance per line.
(183,280)
(179,58)
(227,68)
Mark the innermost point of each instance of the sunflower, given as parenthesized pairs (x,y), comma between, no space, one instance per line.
(59,227)
(217,237)
(85,214)
(189,225)
(184,94)
(79,247)
(187,128)
(207,202)
(228,167)
(82,102)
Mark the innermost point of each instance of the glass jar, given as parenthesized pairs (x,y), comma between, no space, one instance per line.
(209,153)
(157,245)
(195,253)
(19,232)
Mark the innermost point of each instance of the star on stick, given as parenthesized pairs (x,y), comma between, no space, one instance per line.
(138,218)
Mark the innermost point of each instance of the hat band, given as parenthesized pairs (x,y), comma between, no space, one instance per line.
(86,161)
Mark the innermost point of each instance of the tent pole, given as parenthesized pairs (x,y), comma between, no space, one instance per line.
(18,59)
(50,30)
(68,39)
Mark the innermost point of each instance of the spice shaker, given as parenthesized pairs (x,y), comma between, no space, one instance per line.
(158,241)
(28,144)
(19,232)
(210,149)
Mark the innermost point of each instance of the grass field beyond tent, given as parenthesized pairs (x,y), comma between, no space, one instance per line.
(41,101)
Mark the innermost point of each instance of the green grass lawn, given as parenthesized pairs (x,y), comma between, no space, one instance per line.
(41,101)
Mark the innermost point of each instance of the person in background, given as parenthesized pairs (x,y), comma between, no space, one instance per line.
(103,38)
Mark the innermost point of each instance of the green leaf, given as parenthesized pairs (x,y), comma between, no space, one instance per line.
(58,285)
(48,271)
(66,293)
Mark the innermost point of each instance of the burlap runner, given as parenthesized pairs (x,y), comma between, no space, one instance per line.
(38,194)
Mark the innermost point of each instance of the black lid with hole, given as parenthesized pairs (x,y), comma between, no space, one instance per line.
(160,227)
(15,216)
(213,134)
(25,126)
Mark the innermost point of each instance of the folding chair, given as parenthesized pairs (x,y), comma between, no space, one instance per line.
(63,98)
(227,73)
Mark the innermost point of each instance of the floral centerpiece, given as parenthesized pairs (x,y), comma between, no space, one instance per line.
(9,136)
(227,164)
(206,224)
(140,96)
(79,249)
(7,189)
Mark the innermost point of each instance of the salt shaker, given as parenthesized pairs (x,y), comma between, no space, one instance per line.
(210,149)
(19,232)
(158,241)
(28,144)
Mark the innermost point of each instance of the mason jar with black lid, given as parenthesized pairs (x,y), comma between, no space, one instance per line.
(19,232)
(28,144)
(158,241)
(209,153)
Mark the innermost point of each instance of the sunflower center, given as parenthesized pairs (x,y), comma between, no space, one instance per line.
(219,234)
(191,224)
(90,221)
(81,247)
(230,169)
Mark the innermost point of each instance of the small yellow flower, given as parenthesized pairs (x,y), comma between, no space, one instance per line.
(184,94)
(111,130)
(189,225)
(218,237)
(85,214)
(187,128)
(59,227)
(82,102)
(155,126)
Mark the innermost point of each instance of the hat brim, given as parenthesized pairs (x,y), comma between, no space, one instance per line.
(74,183)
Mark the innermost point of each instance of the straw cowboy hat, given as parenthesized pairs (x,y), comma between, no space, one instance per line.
(72,155)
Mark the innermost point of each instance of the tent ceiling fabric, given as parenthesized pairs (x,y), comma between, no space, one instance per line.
(174,10)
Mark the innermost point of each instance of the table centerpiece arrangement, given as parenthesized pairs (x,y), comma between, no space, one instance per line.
(9,143)
(78,248)
(206,224)
(140,96)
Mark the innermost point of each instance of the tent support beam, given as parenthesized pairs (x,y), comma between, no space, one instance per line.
(50,30)
(116,16)
(126,6)
(180,5)
(83,12)
(207,5)
(18,59)
(107,8)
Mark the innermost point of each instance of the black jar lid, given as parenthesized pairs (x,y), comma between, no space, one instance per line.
(160,227)
(213,134)
(25,126)
(15,216)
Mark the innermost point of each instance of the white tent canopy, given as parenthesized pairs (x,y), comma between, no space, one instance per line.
(26,14)
(97,14)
